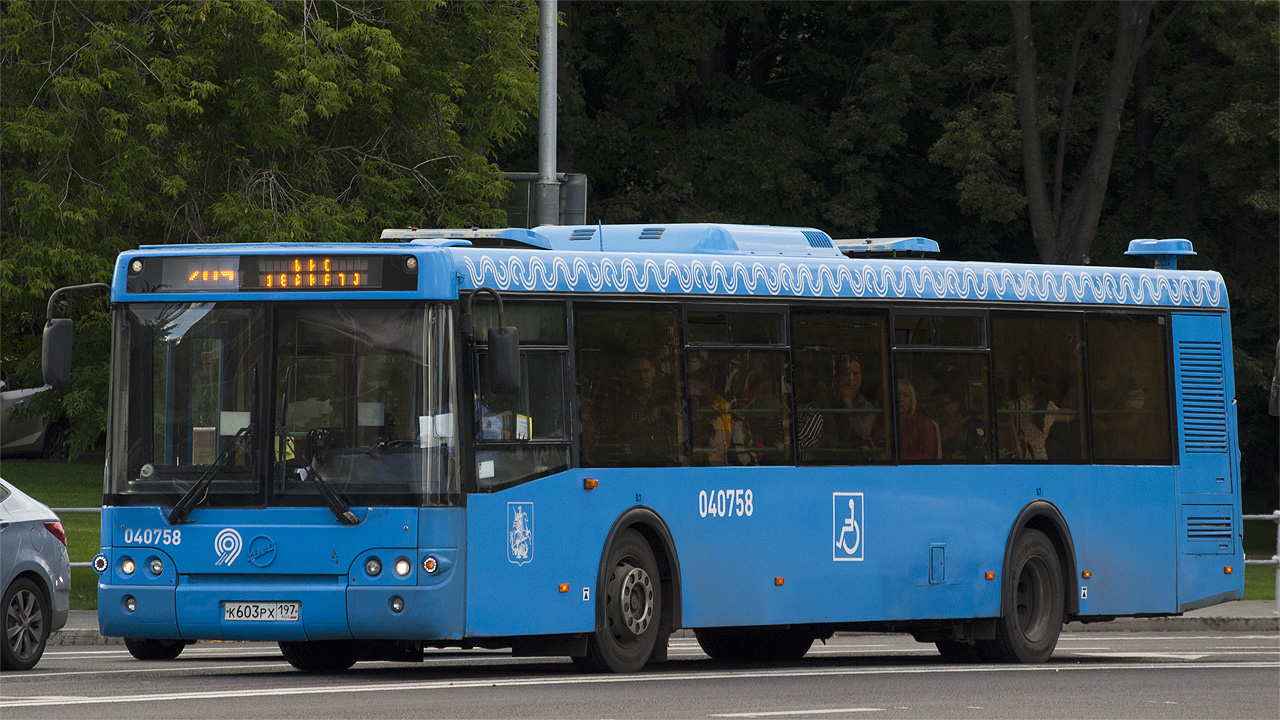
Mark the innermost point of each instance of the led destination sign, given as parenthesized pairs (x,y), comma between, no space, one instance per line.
(272,273)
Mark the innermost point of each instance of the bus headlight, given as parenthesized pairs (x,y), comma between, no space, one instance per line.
(130,603)
(397,604)
(373,566)
(127,566)
(156,565)
(403,566)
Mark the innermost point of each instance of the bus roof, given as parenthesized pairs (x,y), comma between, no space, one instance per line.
(718,260)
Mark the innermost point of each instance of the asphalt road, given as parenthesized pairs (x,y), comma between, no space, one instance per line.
(1092,675)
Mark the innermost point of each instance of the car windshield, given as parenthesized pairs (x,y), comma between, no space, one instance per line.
(262,403)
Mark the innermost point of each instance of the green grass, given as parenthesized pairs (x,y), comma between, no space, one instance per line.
(67,485)
(79,484)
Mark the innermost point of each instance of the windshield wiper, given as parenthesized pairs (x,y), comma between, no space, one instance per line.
(340,509)
(188,501)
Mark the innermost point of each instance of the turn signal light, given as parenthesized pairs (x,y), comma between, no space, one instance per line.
(590,483)
(430,564)
(779,581)
(564,587)
(991,576)
(1086,574)
(1228,570)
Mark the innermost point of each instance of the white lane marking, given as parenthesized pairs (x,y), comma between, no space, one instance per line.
(783,713)
(1166,656)
(40,701)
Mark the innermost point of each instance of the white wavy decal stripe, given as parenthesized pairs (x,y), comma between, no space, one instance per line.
(930,281)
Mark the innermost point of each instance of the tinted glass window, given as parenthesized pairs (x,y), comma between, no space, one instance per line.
(735,328)
(1038,361)
(938,330)
(842,380)
(942,411)
(1128,389)
(738,407)
(630,398)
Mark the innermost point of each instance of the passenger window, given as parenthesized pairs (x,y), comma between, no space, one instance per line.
(942,411)
(738,407)
(1038,361)
(1128,389)
(841,376)
(523,435)
(734,328)
(630,394)
(938,330)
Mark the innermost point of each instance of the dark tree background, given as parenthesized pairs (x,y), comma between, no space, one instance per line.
(1045,132)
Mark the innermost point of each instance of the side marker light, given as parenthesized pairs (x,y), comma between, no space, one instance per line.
(1086,574)
(991,576)
(564,587)
(590,483)
(779,581)
(1228,570)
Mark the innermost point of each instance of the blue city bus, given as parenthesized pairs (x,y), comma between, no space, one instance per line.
(574,441)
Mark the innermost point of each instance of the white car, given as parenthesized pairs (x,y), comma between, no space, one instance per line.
(35,573)
(32,435)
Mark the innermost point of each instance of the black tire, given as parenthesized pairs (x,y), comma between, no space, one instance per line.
(958,653)
(26,625)
(144,649)
(1034,598)
(632,609)
(754,644)
(321,656)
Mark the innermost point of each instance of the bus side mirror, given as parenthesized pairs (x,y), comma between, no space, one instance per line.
(56,356)
(504,360)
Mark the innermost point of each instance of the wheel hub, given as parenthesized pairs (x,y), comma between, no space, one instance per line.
(25,622)
(635,599)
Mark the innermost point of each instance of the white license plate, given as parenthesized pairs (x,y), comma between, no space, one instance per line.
(261,611)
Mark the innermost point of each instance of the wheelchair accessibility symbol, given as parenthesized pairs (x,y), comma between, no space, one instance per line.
(846,526)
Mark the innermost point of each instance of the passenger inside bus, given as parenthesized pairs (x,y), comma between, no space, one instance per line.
(644,416)
(917,432)
(962,436)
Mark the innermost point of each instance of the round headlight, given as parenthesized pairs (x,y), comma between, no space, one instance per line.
(403,567)
(127,566)
(156,565)
(373,566)
(130,603)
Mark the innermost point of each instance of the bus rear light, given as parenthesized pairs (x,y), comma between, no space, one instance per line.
(403,567)
(564,587)
(430,564)
(1086,574)
(991,576)
(590,483)
(1228,570)
(779,582)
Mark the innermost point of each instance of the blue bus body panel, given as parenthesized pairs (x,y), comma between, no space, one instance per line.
(282,554)
(727,275)
(1210,529)
(927,537)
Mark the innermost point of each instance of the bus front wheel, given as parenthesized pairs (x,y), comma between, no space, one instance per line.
(632,609)
(1034,601)
(320,656)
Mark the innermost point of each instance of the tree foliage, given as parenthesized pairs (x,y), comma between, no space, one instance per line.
(862,118)
(150,123)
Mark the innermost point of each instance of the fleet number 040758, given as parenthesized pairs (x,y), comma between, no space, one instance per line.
(725,503)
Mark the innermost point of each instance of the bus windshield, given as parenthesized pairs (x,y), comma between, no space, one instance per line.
(266,402)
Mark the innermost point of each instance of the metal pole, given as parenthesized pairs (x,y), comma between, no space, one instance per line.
(547,197)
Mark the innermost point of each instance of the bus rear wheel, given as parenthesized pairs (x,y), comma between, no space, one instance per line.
(143,649)
(632,609)
(320,656)
(753,644)
(1033,593)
